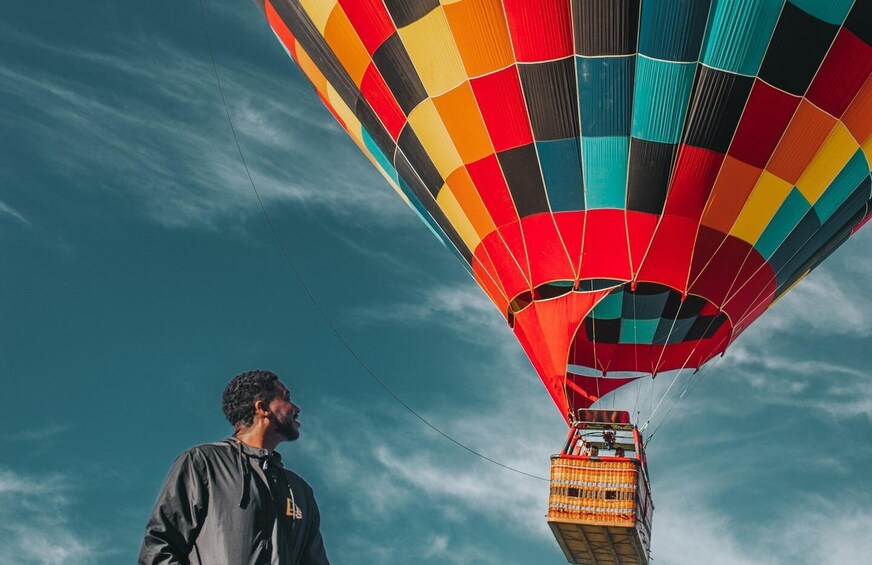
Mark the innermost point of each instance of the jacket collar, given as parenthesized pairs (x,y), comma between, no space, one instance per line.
(274,457)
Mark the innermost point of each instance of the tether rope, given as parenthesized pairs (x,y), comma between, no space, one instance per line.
(311,297)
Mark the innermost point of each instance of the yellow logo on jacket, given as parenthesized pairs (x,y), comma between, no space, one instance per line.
(293,510)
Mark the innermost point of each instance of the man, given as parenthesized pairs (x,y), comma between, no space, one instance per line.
(232,502)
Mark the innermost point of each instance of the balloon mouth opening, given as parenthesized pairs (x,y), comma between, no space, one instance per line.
(644,329)
(586,346)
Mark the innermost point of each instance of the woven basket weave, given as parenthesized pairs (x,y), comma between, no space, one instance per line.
(599,491)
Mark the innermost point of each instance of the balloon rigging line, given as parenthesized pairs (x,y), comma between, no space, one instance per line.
(636,358)
(311,297)
(662,398)
(651,398)
(636,403)
(668,335)
(688,388)
(693,380)
(683,366)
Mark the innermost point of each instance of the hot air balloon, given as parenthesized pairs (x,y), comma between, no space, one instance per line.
(632,183)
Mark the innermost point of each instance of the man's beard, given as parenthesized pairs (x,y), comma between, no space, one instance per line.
(288,428)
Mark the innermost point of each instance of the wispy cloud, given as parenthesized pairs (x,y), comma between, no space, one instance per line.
(145,120)
(812,531)
(447,549)
(42,434)
(823,303)
(781,372)
(462,308)
(688,534)
(829,532)
(11,212)
(36,524)
(412,472)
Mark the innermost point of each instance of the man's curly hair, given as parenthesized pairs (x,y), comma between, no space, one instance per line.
(243,391)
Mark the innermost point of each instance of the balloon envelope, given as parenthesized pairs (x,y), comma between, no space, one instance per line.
(632,184)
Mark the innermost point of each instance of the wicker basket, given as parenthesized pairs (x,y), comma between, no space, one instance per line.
(599,509)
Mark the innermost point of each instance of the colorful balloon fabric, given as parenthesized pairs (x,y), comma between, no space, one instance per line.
(632,183)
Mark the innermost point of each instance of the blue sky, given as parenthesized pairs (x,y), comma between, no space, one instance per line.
(139,276)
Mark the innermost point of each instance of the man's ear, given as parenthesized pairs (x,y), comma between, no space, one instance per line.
(261,408)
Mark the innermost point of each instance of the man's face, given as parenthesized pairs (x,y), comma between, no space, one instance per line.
(285,413)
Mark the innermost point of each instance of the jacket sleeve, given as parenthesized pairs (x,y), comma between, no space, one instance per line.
(314,552)
(178,514)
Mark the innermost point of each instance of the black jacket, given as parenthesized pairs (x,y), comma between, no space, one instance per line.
(230,503)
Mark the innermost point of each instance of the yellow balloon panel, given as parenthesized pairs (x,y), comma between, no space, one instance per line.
(428,126)
(826,164)
(434,52)
(766,198)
